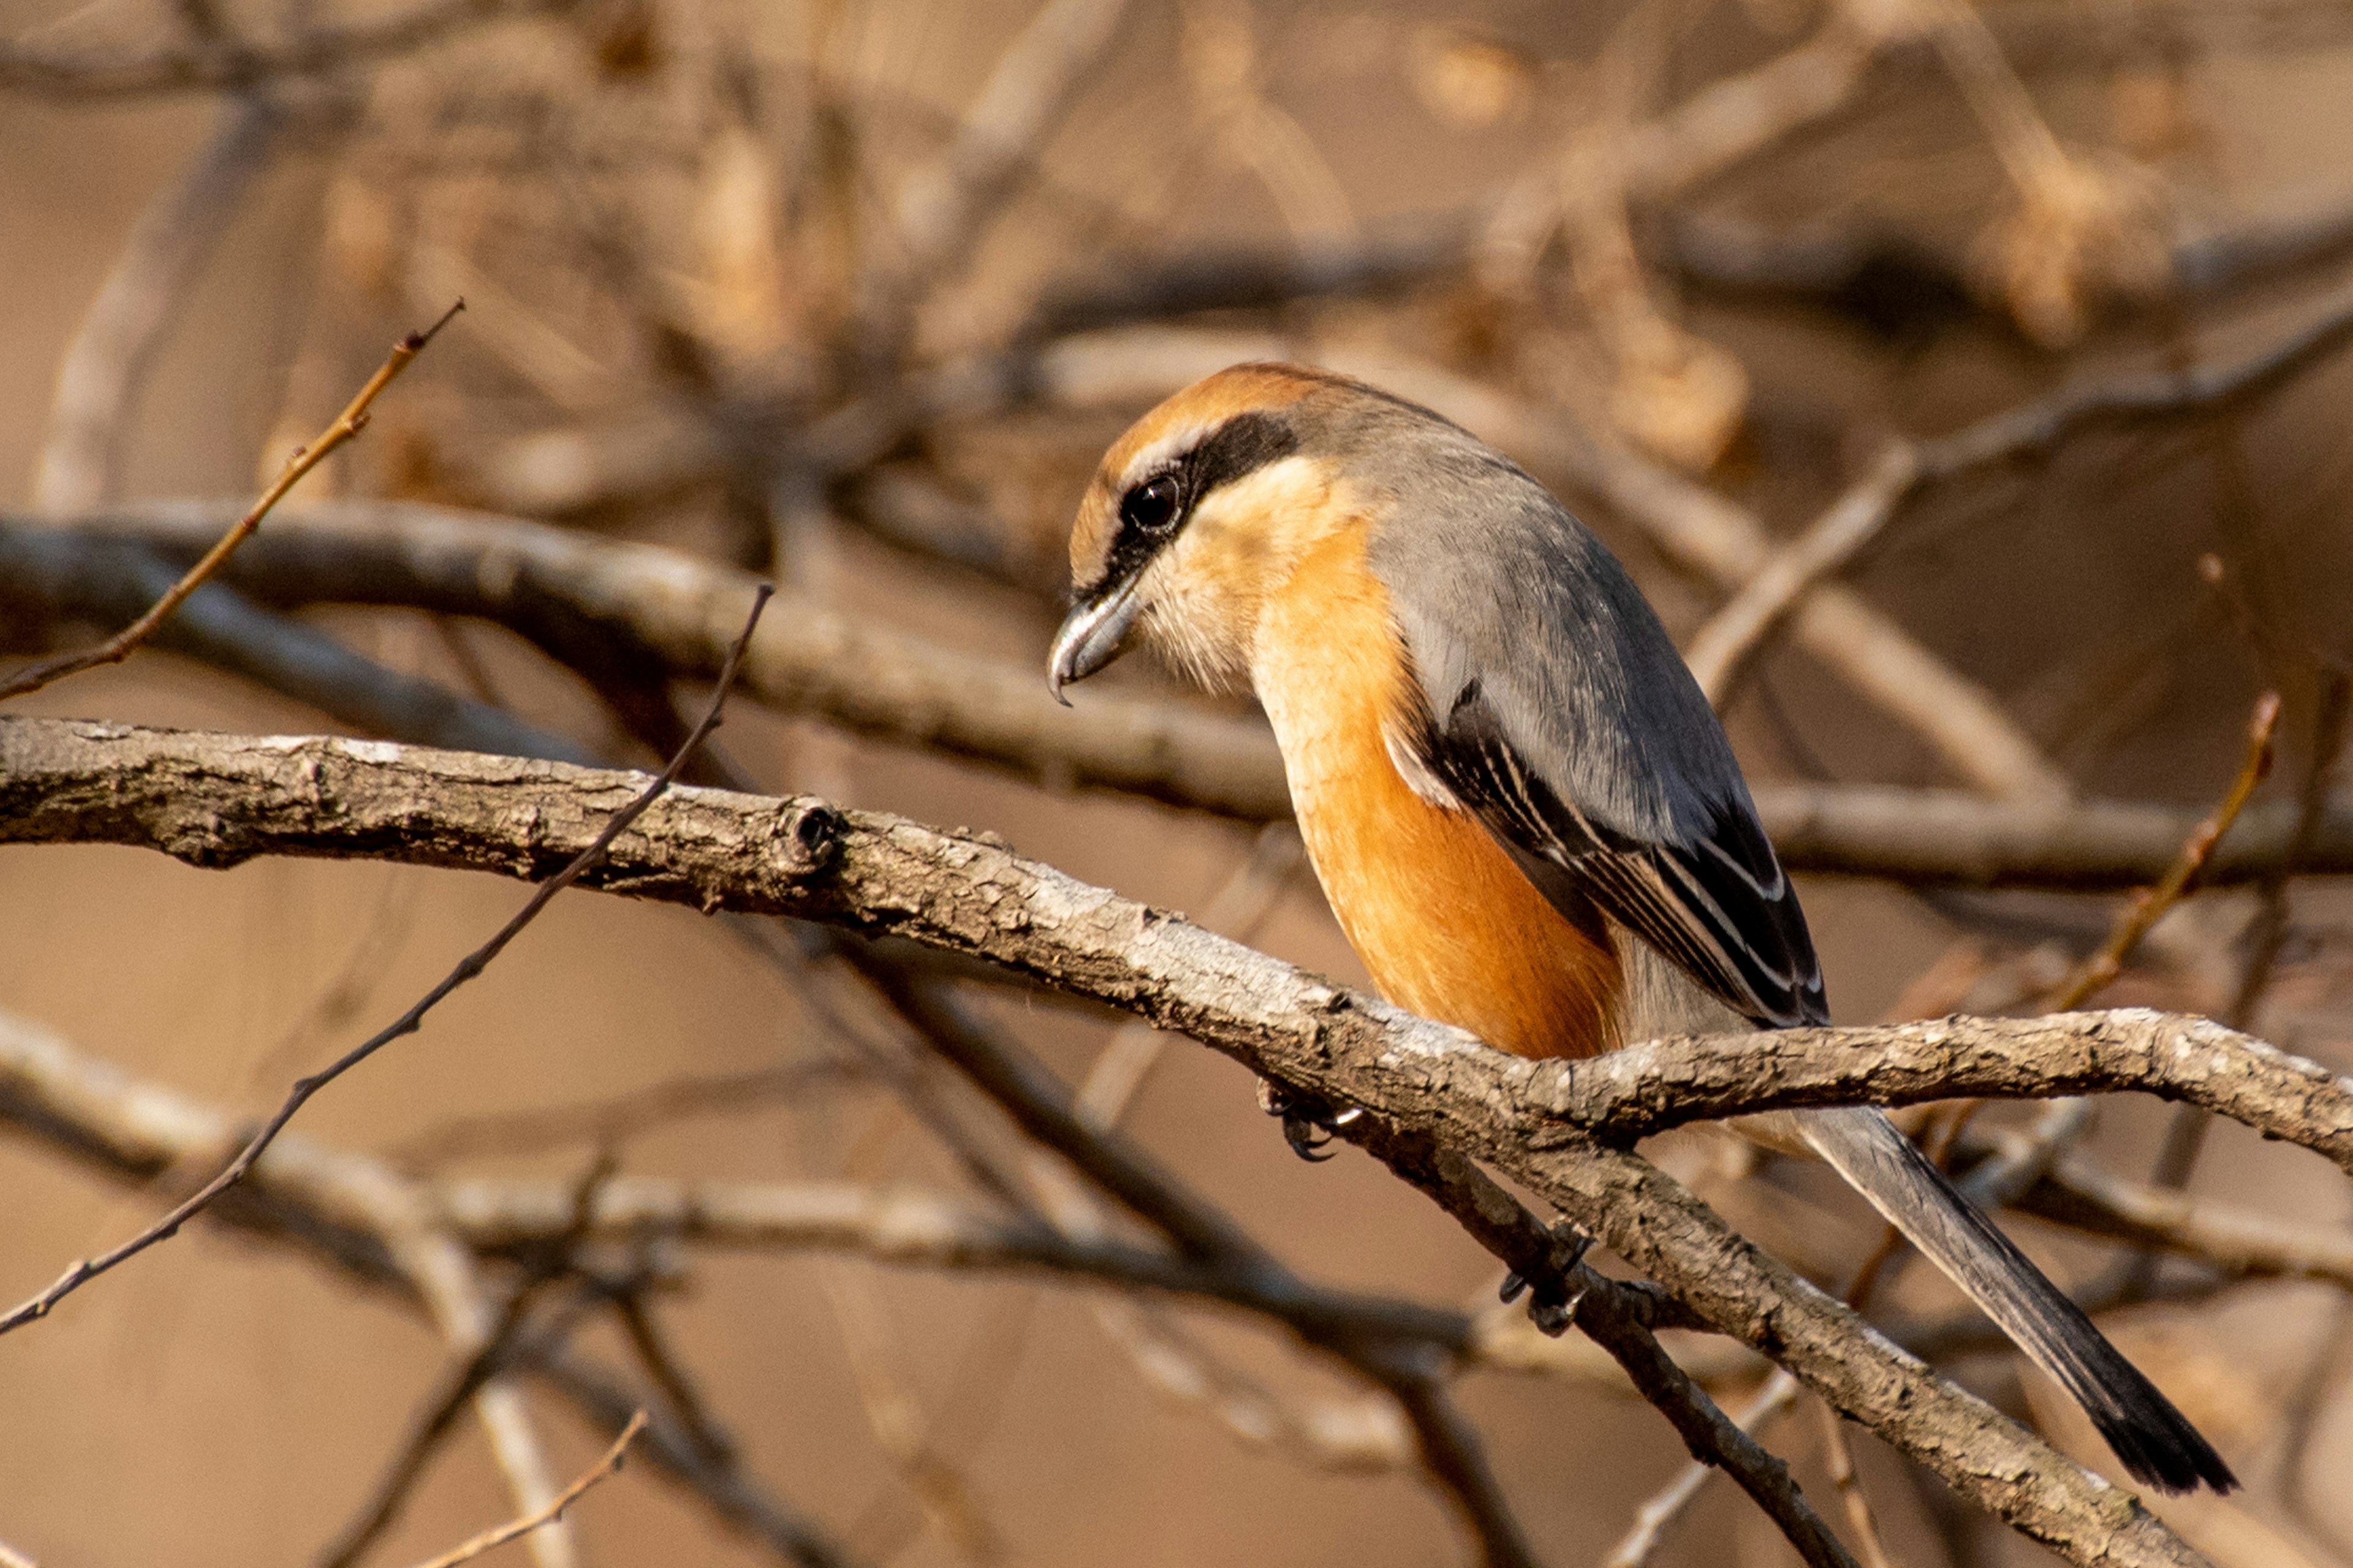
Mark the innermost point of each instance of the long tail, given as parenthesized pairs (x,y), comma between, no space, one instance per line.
(2155,1442)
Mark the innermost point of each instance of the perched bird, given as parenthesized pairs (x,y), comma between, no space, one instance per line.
(1523,811)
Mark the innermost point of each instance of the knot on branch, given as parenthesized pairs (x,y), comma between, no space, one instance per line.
(810,835)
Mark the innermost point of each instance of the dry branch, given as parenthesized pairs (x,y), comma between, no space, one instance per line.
(214,801)
(606,607)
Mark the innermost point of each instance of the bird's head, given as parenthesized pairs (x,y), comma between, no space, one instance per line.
(1196,514)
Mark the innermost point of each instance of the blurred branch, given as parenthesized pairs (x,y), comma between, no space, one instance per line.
(81,782)
(219,63)
(49,576)
(598,605)
(2076,1192)
(346,424)
(944,206)
(1848,526)
(161,261)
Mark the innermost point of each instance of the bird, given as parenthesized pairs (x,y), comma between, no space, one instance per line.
(1524,814)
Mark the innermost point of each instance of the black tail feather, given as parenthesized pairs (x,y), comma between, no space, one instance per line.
(2155,1441)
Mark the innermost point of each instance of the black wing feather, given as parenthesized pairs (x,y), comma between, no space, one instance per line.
(1719,907)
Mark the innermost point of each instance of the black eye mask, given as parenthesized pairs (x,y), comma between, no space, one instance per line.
(1155,508)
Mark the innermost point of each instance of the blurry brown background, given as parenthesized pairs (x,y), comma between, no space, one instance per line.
(673,224)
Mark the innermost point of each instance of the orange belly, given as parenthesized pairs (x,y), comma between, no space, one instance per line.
(1444,921)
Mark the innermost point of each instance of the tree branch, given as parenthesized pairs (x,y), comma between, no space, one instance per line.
(214,801)
(613,610)
(472,965)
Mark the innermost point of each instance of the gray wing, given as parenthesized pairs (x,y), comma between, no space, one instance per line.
(1556,708)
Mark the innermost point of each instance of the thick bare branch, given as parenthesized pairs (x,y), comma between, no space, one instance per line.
(216,800)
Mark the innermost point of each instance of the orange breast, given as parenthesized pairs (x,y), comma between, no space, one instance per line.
(1443,918)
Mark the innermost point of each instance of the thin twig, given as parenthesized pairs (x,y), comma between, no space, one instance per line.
(348,424)
(473,965)
(2145,909)
(554,1510)
(1838,1454)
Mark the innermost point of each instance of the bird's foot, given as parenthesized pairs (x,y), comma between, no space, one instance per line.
(1308,1122)
(1553,1305)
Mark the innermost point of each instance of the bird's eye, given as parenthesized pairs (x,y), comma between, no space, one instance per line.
(1152,506)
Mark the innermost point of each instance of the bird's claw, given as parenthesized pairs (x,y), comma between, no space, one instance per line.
(1308,1123)
(1552,1307)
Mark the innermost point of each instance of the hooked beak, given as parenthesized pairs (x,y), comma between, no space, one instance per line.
(1091,636)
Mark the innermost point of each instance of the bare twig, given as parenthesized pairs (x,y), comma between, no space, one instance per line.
(554,1510)
(472,965)
(2270,931)
(2185,1136)
(2097,971)
(737,1497)
(348,424)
